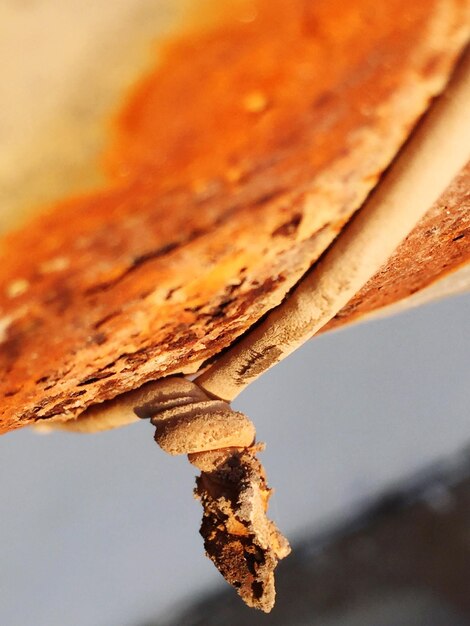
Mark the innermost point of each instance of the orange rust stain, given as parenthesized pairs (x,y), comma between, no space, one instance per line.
(225,103)
(230,118)
(246,92)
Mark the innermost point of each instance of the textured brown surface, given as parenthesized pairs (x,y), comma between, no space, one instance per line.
(439,244)
(214,210)
(242,542)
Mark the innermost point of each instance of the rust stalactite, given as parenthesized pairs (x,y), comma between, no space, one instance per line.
(240,540)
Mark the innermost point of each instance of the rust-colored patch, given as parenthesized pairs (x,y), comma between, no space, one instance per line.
(439,244)
(239,131)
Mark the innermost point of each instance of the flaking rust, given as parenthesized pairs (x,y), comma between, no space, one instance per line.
(241,541)
(211,213)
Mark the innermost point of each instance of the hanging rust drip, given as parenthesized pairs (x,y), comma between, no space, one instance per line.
(241,541)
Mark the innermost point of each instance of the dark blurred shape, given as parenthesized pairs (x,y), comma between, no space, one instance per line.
(404,561)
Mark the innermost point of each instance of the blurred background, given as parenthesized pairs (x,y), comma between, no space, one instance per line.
(366,431)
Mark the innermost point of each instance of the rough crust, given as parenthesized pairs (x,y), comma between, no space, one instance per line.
(438,245)
(205,228)
(242,543)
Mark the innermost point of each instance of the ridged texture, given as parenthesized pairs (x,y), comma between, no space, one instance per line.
(188,421)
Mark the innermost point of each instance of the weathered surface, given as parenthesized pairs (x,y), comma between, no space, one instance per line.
(439,244)
(214,210)
(241,541)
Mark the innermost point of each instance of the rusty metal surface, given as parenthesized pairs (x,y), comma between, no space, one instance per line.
(214,210)
(439,245)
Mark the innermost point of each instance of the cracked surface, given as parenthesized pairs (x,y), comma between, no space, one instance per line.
(214,211)
(243,544)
